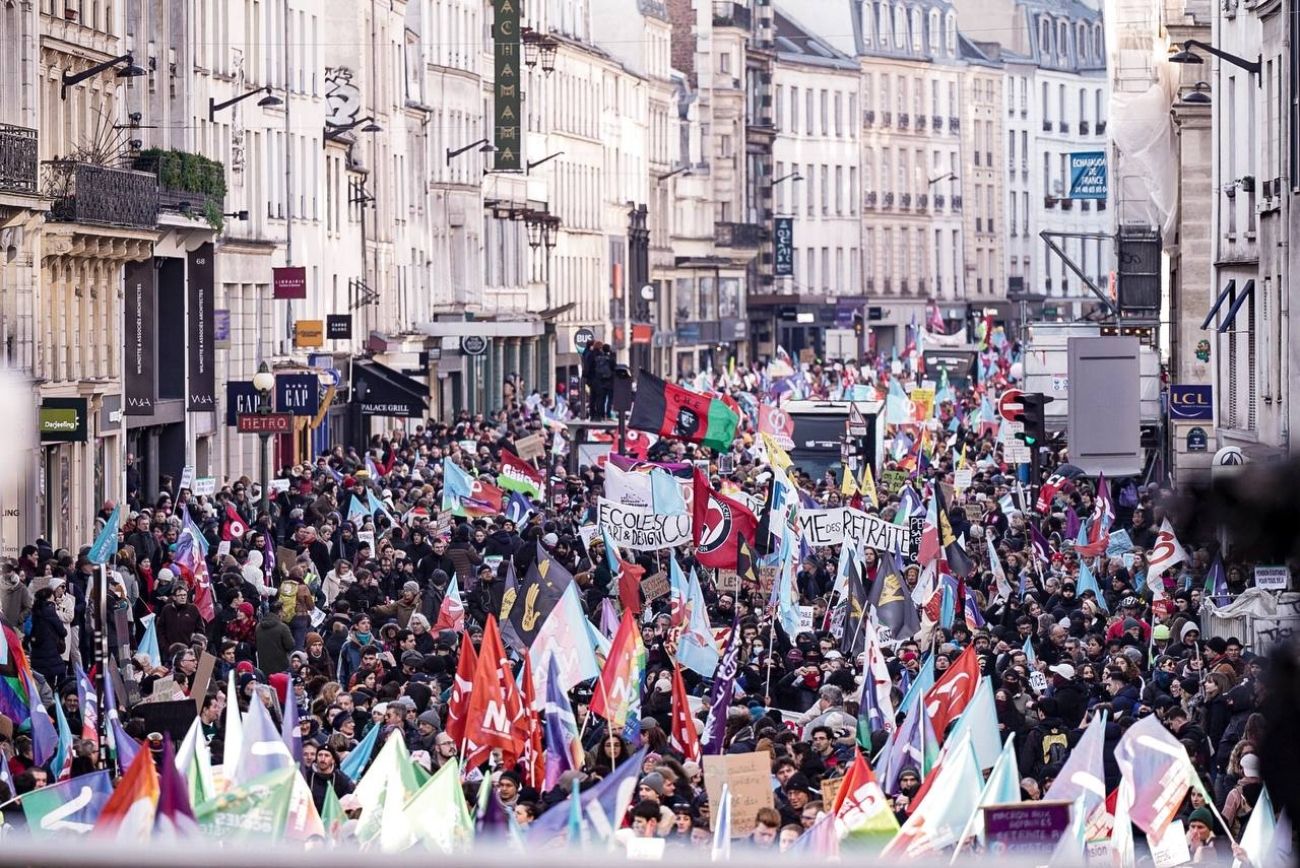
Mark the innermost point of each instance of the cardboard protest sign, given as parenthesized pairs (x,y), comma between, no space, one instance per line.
(750,777)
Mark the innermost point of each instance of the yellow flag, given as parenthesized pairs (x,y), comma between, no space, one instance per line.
(848,487)
(868,485)
(775,454)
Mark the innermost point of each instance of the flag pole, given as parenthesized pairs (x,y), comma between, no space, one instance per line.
(103,665)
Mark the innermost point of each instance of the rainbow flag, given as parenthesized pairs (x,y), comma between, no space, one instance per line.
(618,690)
(15,675)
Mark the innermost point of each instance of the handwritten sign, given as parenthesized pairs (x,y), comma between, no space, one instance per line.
(922,404)
(532,447)
(640,528)
(205,485)
(655,586)
(1171,849)
(187,477)
(728,582)
(749,775)
(893,481)
(963,478)
(825,527)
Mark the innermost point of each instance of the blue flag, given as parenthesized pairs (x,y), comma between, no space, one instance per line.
(149,642)
(68,806)
(563,744)
(356,761)
(602,806)
(518,508)
(358,512)
(1216,583)
(666,493)
(263,749)
(1088,582)
(106,543)
(456,482)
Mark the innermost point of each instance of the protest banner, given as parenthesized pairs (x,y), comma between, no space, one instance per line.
(1025,827)
(825,527)
(749,775)
(641,528)
(531,448)
(655,586)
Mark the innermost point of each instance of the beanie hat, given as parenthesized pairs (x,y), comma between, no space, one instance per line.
(431,718)
(654,781)
(1203,816)
(313,638)
(410,588)
(1160,632)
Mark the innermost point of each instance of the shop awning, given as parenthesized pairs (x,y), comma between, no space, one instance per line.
(380,391)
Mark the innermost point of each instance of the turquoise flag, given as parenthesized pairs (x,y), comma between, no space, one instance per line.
(106,543)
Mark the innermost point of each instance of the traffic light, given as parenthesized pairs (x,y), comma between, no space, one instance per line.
(858,325)
(1032,416)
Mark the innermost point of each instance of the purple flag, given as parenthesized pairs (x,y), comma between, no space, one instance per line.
(724,686)
(1042,548)
(175,815)
(289,731)
(608,618)
(563,745)
(1071,523)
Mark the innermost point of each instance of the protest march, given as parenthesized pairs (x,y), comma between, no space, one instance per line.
(428,642)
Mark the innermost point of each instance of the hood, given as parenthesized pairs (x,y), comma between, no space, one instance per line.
(254,559)
(270,619)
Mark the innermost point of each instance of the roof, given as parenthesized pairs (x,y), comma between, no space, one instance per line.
(797,43)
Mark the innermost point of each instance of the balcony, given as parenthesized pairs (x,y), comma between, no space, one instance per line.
(889,200)
(1084,128)
(727,14)
(922,285)
(904,120)
(938,201)
(936,122)
(1047,126)
(956,203)
(1049,202)
(1101,127)
(905,202)
(1067,204)
(922,202)
(920,122)
(738,234)
(886,119)
(1101,204)
(903,285)
(954,125)
(1085,205)
(190,184)
(87,193)
(889,284)
(869,118)
(871,284)
(870,201)
(1063,127)
(18,160)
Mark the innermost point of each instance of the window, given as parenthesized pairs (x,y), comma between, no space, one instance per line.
(1012,222)
(826,269)
(1060,99)
(1044,36)
(934,31)
(1047,104)
(826,197)
(839,269)
(952,99)
(826,119)
(780,108)
(934,97)
(724,62)
(839,190)
(916,30)
(868,95)
(886,173)
(808,184)
(1047,174)
(887,252)
(1062,38)
(810,279)
(902,95)
(780,188)
(868,22)
(885,104)
(869,255)
(724,146)
(1083,106)
(853,115)
(809,109)
(839,113)
(1024,213)
(1024,93)
(1011,149)
(1098,112)
(794,110)
(950,34)
(1081,41)
(853,191)
(900,26)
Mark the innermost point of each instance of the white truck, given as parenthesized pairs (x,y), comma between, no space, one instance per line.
(1046,364)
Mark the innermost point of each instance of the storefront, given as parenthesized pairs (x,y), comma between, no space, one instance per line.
(383,394)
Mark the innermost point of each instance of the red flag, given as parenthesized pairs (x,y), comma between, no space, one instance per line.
(777,423)
(718,524)
(860,804)
(520,472)
(451,612)
(529,731)
(685,739)
(458,704)
(950,695)
(484,499)
(495,706)
(233,527)
(630,575)
(619,685)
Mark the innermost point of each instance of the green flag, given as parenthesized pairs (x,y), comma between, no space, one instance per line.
(439,814)
(256,812)
(332,816)
(393,762)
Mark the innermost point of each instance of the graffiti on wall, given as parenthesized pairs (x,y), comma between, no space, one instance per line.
(342,97)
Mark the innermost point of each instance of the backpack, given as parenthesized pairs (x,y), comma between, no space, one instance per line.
(602,367)
(1056,747)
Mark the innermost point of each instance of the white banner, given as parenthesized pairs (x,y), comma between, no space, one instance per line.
(828,527)
(640,528)
(626,486)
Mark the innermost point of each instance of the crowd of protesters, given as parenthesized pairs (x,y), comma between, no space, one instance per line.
(348,609)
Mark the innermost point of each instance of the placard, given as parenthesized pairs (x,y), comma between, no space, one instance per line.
(531,448)
(285,557)
(1171,849)
(278,485)
(1024,827)
(640,528)
(1120,543)
(655,586)
(1272,578)
(223,549)
(830,788)
(826,527)
(202,679)
(749,776)
(805,619)
(922,404)
(893,481)
(728,582)
(187,478)
(962,479)
(1017,453)
(204,485)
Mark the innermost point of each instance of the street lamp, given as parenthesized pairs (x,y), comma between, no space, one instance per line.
(333,131)
(946,176)
(1186,55)
(270,99)
(1199,94)
(486,149)
(264,383)
(533,165)
(535,224)
(793,177)
(129,70)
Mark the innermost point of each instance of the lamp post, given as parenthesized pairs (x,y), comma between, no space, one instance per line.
(1186,55)
(270,99)
(126,61)
(264,383)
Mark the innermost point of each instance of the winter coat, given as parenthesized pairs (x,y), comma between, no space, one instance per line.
(274,642)
(15,601)
(48,638)
(178,624)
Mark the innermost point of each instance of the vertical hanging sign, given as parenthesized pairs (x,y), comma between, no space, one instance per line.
(140,316)
(783,239)
(201,393)
(507,101)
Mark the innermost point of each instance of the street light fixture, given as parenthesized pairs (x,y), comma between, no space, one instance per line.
(551,231)
(1198,95)
(531,41)
(237,215)
(129,70)
(793,177)
(268,100)
(546,159)
(534,223)
(549,48)
(264,383)
(332,132)
(486,148)
(946,176)
(1186,55)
